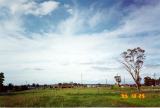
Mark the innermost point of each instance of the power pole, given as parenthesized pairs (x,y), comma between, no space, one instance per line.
(124,80)
(106,82)
(81,78)
(26,82)
(154,75)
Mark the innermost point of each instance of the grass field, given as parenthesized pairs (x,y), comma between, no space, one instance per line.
(82,97)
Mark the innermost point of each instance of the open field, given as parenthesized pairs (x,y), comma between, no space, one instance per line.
(79,97)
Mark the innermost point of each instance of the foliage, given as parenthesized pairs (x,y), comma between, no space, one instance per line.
(1,81)
(1,78)
(148,81)
(133,60)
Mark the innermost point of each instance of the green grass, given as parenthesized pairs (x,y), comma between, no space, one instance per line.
(82,97)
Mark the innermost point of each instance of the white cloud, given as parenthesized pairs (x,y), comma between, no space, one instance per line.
(141,20)
(80,20)
(43,8)
(63,55)
(50,54)
(11,26)
(96,19)
(30,7)
(69,9)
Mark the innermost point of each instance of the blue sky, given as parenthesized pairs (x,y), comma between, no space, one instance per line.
(51,41)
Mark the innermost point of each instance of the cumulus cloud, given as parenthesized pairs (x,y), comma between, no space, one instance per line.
(29,7)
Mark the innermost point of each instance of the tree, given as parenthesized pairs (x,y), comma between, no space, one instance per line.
(147,81)
(1,80)
(10,86)
(133,60)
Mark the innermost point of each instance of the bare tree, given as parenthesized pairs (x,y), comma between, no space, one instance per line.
(133,60)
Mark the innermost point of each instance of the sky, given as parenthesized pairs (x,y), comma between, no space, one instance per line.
(52,41)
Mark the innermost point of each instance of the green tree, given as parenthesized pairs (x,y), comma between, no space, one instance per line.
(133,60)
(147,81)
(10,86)
(1,80)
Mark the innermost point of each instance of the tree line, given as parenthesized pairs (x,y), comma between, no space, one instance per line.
(148,81)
